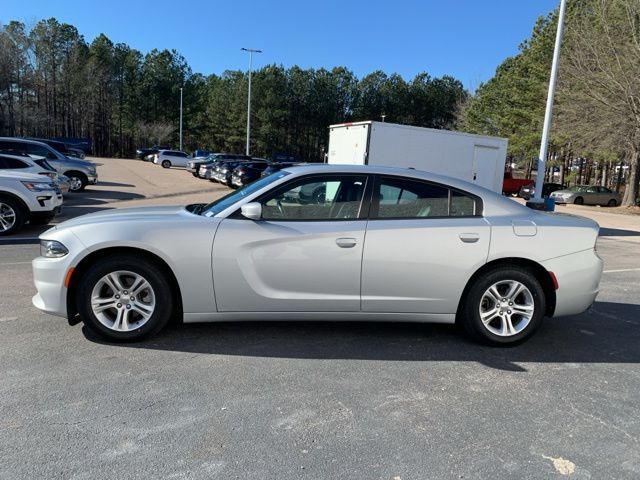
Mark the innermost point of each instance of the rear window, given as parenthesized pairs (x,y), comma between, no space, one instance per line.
(400,198)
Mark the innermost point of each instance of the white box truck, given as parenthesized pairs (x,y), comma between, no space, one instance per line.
(474,158)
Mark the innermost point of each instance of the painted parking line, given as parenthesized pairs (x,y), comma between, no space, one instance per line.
(623,270)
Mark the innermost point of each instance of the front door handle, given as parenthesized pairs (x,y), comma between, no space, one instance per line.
(346,242)
(469,237)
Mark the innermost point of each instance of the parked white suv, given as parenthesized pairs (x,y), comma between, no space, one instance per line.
(171,158)
(26,164)
(26,197)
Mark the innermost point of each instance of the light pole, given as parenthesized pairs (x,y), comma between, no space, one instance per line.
(544,144)
(251,52)
(383,117)
(180,118)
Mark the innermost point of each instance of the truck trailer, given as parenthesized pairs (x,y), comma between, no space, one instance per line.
(475,158)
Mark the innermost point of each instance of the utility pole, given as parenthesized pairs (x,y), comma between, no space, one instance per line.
(544,144)
(251,52)
(180,118)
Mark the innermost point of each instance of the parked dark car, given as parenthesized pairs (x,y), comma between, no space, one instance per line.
(193,166)
(528,191)
(281,157)
(146,152)
(248,172)
(61,147)
(225,170)
(274,167)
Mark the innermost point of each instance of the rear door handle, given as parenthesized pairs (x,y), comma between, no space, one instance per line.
(469,237)
(346,242)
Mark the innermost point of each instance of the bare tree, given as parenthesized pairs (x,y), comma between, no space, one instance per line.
(154,132)
(600,91)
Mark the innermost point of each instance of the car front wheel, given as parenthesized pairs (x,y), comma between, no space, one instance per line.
(12,216)
(77,181)
(124,298)
(504,306)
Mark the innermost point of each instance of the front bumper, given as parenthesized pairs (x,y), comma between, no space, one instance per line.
(48,277)
(93,179)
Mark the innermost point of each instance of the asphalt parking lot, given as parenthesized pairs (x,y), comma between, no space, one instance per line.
(315,400)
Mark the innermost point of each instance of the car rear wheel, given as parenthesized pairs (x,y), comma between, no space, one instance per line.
(504,307)
(77,181)
(579,201)
(124,298)
(12,216)
(612,203)
(166,164)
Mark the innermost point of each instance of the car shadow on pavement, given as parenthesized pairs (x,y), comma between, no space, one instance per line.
(607,333)
(616,232)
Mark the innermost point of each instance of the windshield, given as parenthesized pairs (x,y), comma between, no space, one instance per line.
(225,202)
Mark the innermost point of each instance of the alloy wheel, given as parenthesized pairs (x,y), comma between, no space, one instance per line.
(506,308)
(7,217)
(123,301)
(75,183)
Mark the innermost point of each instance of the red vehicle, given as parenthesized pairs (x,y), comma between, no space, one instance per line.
(511,186)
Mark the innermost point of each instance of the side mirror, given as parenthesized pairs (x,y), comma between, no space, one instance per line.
(252,210)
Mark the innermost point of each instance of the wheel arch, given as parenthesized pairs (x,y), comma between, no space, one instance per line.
(541,274)
(21,202)
(88,260)
(77,172)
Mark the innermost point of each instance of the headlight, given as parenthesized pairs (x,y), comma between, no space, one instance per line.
(92,170)
(38,186)
(52,249)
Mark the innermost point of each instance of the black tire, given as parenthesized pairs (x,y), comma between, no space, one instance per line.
(13,215)
(155,277)
(612,203)
(166,164)
(474,325)
(579,201)
(78,181)
(195,174)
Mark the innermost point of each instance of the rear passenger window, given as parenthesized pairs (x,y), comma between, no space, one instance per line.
(404,198)
(462,205)
(407,199)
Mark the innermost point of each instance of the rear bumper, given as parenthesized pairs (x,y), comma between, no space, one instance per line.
(578,277)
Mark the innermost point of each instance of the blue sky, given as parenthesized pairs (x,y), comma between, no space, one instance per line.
(464,38)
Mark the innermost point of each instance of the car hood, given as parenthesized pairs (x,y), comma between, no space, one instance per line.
(169,213)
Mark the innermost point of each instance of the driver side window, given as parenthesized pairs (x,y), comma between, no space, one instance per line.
(316,198)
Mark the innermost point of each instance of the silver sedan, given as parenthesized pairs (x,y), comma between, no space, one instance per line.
(587,195)
(324,243)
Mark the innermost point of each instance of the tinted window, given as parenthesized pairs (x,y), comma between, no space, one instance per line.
(12,146)
(38,150)
(405,198)
(399,198)
(12,163)
(462,205)
(316,198)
